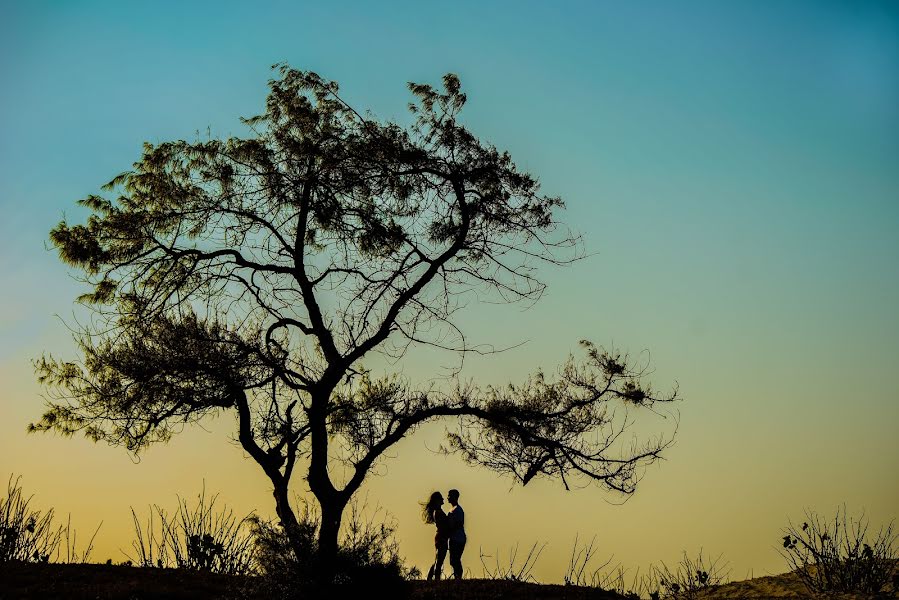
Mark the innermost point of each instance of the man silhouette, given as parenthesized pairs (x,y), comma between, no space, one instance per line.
(457,538)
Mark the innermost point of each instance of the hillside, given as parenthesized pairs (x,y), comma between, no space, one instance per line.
(114,582)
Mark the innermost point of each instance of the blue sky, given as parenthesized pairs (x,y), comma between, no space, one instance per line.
(734,168)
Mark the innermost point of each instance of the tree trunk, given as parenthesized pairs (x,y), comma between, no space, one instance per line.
(328,533)
(288,519)
(330,500)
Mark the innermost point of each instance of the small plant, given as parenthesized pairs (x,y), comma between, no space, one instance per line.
(275,554)
(615,580)
(72,553)
(147,543)
(25,535)
(839,555)
(687,578)
(369,540)
(202,538)
(580,565)
(513,570)
(368,555)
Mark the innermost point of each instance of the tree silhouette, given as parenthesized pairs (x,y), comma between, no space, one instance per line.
(253,275)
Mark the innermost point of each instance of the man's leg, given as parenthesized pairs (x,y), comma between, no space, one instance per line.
(455,551)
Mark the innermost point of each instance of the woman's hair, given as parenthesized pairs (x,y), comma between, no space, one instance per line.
(428,508)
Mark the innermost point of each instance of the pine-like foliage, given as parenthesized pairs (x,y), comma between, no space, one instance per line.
(252,275)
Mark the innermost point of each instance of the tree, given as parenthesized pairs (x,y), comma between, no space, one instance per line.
(253,276)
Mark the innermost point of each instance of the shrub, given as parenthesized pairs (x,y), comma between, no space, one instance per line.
(25,535)
(839,555)
(369,542)
(687,579)
(202,538)
(368,556)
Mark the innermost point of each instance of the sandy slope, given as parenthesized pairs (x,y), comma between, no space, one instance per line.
(787,585)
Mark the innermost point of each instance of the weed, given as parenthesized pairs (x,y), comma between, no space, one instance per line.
(838,555)
(200,538)
(25,535)
(368,554)
(513,570)
(689,577)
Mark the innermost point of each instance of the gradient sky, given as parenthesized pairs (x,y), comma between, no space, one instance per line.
(733,167)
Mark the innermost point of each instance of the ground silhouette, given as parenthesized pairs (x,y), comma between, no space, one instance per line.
(113,582)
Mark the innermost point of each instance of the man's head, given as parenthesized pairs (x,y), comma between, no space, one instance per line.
(453,497)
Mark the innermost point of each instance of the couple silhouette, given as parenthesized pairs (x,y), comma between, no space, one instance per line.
(450,534)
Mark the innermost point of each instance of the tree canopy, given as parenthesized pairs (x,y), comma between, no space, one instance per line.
(253,275)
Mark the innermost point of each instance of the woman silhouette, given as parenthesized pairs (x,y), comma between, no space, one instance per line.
(432,512)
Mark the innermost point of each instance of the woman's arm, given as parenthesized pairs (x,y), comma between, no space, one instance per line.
(442,521)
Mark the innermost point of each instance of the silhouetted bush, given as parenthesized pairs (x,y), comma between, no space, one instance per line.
(25,535)
(368,556)
(202,538)
(583,572)
(686,579)
(839,556)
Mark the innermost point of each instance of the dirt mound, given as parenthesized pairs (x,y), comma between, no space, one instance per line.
(787,585)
